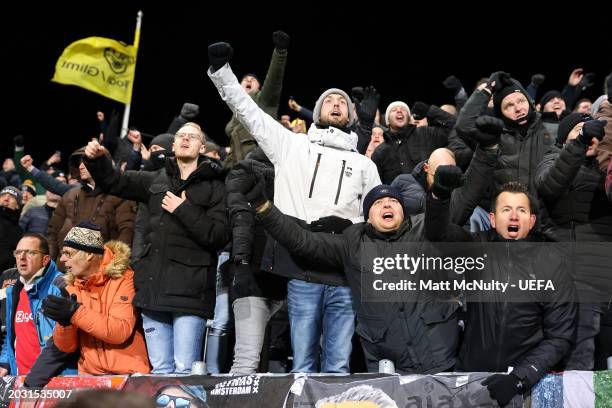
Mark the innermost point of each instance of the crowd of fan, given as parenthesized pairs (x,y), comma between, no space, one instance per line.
(116,264)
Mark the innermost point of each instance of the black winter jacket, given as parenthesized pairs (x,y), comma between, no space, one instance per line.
(519,154)
(572,187)
(248,236)
(533,337)
(403,150)
(177,270)
(428,343)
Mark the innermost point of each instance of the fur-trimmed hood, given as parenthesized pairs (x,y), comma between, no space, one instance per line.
(115,262)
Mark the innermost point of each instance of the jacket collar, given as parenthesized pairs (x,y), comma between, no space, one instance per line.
(390,236)
(402,134)
(115,262)
(208,169)
(332,137)
(41,280)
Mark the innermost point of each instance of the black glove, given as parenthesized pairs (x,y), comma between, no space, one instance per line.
(592,129)
(501,79)
(219,54)
(419,110)
(60,309)
(190,111)
(587,81)
(357,93)
(332,224)
(240,181)
(488,131)
(19,140)
(243,283)
(453,83)
(281,40)
(256,196)
(446,179)
(537,79)
(503,387)
(366,107)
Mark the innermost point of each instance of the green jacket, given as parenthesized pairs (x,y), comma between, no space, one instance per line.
(268,99)
(24,174)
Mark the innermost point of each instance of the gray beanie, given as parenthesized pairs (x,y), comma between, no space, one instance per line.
(164,140)
(12,191)
(316,113)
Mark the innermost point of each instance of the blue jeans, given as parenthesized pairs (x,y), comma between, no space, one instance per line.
(174,340)
(216,352)
(322,323)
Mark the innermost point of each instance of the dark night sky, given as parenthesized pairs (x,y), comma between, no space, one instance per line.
(405,52)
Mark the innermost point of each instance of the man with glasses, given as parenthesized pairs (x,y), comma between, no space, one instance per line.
(27,329)
(175,277)
(96,316)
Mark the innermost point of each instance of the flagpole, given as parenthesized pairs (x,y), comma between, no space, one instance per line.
(126,112)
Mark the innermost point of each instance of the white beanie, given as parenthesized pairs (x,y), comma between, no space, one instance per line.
(316,113)
(393,105)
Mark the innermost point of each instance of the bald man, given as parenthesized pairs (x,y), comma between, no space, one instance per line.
(414,186)
(439,157)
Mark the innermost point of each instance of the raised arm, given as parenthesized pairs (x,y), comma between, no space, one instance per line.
(327,249)
(275,140)
(320,247)
(438,226)
(47,181)
(131,185)
(269,97)
(487,134)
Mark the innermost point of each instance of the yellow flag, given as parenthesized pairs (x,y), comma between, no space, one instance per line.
(100,65)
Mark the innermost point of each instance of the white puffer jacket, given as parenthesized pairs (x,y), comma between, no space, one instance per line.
(315,177)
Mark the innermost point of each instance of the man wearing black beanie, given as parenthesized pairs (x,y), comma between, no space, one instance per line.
(524,141)
(388,329)
(553,109)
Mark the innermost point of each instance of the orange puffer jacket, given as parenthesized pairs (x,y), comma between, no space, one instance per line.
(106,328)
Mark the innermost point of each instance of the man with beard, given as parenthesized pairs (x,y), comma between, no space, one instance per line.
(321,180)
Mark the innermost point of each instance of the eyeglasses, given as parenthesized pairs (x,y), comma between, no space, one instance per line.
(179,402)
(30,253)
(68,254)
(190,136)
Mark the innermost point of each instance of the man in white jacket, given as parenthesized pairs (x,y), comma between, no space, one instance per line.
(320,179)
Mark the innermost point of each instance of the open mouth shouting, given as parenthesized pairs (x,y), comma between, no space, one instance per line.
(388,215)
(513,230)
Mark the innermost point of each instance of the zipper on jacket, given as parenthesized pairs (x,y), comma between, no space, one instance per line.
(340,181)
(502,329)
(314,175)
